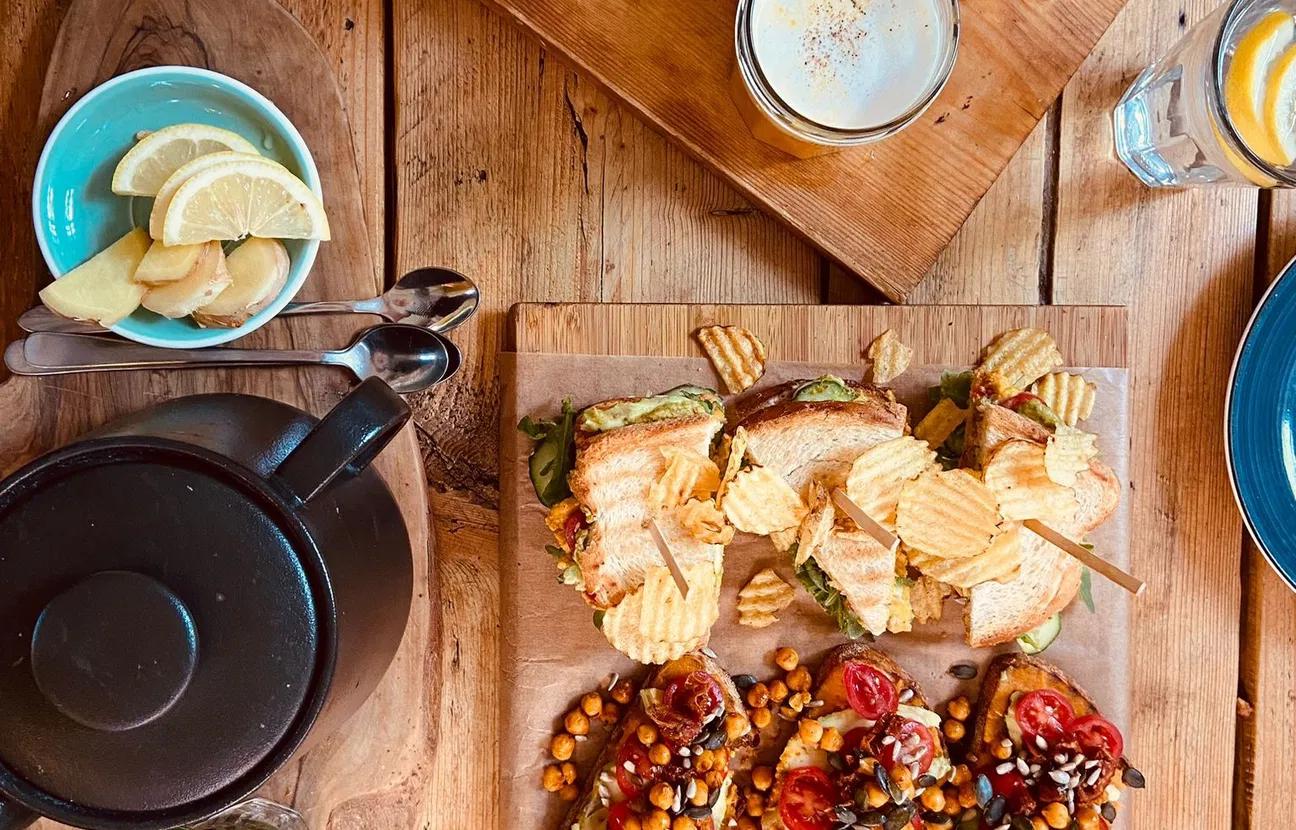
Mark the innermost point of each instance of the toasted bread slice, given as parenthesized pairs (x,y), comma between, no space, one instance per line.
(602,774)
(831,688)
(611,479)
(820,439)
(864,572)
(991,427)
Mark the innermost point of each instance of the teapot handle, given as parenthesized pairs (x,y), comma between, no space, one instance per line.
(344,442)
(14,816)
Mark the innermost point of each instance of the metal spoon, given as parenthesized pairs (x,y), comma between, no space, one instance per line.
(435,298)
(409,358)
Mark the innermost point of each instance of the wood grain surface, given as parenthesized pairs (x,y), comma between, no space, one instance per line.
(523,172)
(1013,60)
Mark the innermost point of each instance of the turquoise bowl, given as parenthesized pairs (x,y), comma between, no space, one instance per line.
(76,214)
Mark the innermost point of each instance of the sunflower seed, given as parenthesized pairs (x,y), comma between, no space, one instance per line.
(679,800)
(1004,768)
(1092,764)
(629,766)
(814,703)
(1060,758)
(1134,778)
(887,740)
(612,681)
(1041,743)
(692,789)
(580,738)
(1093,777)
(687,763)
(906,695)
(1059,777)
(685,751)
(1022,766)
(709,653)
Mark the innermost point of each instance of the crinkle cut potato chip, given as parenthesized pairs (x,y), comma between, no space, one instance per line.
(761,501)
(1071,397)
(1019,480)
(763,597)
(877,476)
(704,522)
(948,513)
(999,562)
(940,422)
(1068,453)
(653,623)
(689,474)
(817,525)
(735,451)
(890,357)
(1021,356)
(737,355)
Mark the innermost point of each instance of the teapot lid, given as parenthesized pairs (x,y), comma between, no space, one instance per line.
(165,638)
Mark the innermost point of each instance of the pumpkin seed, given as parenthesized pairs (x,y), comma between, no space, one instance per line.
(744,681)
(963,671)
(984,792)
(1108,812)
(1134,778)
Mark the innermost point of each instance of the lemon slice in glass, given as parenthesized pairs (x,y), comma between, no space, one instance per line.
(1280,107)
(153,159)
(1246,83)
(243,197)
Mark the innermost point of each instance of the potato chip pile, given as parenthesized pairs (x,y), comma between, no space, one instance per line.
(654,623)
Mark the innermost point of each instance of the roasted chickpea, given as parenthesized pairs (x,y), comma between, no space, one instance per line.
(632,822)
(755,805)
(876,798)
(551,779)
(591,704)
(1089,818)
(933,799)
(960,775)
(611,713)
(562,746)
(762,778)
(622,692)
(758,695)
(952,806)
(761,717)
(966,795)
(1056,815)
(715,779)
(778,691)
(831,741)
(1001,752)
(661,795)
(700,793)
(797,701)
(659,754)
(576,722)
(704,761)
(735,726)
(569,792)
(799,679)
(683,823)
(954,730)
(657,820)
(1038,823)
(786,658)
(811,731)
(902,780)
(746,823)
(647,734)
(568,770)
(959,708)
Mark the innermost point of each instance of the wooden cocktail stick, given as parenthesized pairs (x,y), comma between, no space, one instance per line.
(1127,581)
(680,582)
(884,537)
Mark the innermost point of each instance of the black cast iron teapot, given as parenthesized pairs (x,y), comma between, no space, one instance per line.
(184,594)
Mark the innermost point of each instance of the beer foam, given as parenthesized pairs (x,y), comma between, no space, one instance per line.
(850,64)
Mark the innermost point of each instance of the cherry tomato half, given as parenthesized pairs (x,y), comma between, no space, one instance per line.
(1045,713)
(913,744)
(1093,733)
(870,692)
(632,784)
(808,799)
(618,815)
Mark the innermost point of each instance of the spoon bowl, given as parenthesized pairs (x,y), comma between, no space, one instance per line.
(408,358)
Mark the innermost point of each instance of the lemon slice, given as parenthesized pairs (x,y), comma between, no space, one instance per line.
(148,164)
(1280,107)
(168,189)
(243,197)
(1246,84)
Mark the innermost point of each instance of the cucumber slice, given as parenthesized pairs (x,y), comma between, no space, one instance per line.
(1040,638)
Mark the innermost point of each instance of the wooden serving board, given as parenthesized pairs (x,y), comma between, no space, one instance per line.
(885,210)
(370,775)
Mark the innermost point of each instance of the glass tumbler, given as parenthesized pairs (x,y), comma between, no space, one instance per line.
(254,814)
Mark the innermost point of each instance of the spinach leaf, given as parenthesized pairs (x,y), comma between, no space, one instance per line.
(957,386)
(821,587)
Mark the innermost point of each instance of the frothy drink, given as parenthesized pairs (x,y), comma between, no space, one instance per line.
(847,65)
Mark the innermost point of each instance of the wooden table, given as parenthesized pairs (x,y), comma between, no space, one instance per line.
(483,152)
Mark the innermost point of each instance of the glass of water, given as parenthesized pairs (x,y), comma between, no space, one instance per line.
(254,814)
(1219,107)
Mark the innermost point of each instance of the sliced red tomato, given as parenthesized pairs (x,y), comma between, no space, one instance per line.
(1045,713)
(1010,784)
(913,744)
(1094,733)
(619,815)
(632,784)
(870,692)
(574,524)
(807,800)
(1019,400)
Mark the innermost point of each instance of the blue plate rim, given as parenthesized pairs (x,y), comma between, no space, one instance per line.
(1284,275)
(310,174)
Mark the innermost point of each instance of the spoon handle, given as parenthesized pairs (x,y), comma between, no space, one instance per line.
(72,352)
(370,306)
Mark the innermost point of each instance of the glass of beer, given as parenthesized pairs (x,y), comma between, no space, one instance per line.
(814,76)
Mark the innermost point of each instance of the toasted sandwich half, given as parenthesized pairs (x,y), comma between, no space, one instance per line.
(619,457)
(812,431)
(885,749)
(684,736)
(1044,749)
(1049,578)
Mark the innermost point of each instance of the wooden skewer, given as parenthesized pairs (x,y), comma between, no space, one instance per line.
(680,582)
(884,537)
(1127,581)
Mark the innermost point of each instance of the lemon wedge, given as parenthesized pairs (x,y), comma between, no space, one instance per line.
(147,165)
(1280,107)
(167,191)
(243,197)
(1247,82)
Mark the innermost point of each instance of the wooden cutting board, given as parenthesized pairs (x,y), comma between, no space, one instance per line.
(886,210)
(370,775)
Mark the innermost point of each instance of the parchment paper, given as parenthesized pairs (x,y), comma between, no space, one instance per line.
(551,653)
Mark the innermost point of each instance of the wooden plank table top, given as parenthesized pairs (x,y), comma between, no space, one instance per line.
(487,154)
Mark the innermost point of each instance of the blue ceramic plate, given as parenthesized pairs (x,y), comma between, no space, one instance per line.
(76,214)
(1260,425)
